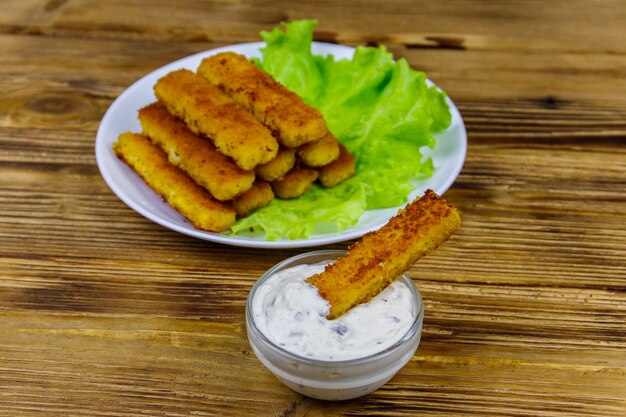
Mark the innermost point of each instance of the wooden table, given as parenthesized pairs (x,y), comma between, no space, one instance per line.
(103,312)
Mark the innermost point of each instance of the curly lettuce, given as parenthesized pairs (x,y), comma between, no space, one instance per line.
(383,111)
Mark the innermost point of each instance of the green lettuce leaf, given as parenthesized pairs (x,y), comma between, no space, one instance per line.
(289,59)
(320,209)
(383,111)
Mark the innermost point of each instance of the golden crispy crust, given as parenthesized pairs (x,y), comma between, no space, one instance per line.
(208,111)
(277,167)
(196,156)
(297,182)
(380,257)
(258,196)
(292,120)
(321,152)
(184,195)
(339,170)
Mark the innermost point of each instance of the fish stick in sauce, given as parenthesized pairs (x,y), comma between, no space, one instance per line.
(208,111)
(380,257)
(184,195)
(292,120)
(196,156)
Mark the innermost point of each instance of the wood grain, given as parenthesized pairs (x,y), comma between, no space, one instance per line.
(104,313)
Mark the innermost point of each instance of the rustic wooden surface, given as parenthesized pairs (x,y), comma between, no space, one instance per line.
(104,313)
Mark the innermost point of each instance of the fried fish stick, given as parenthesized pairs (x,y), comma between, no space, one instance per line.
(339,170)
(184,195)
(277,167)
(292,120)
(321,152)
(196,156)
(208,111)
(297,182)
(258,196)
(380,257)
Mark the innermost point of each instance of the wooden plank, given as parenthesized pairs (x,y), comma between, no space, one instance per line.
(66,364)
(504,318)
(573,26)
(50,101)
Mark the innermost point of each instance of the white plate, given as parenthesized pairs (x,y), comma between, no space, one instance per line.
(448,157)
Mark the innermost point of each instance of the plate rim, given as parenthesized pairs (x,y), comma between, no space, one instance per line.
(234,240)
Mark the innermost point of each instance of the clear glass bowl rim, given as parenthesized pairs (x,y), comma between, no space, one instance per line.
(417,322)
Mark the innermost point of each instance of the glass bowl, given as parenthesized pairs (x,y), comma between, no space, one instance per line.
(326,379)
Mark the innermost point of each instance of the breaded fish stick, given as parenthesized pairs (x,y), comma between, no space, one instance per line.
(321,152)
(184,195)
(339,170)
(196,156)
(208,111)
(292,120)
(277,167)
(297,182)
(380,257)
(258,196)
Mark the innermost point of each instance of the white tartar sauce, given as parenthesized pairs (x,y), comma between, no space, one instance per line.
(291,313)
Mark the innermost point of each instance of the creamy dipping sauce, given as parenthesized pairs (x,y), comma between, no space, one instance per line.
(291,313)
